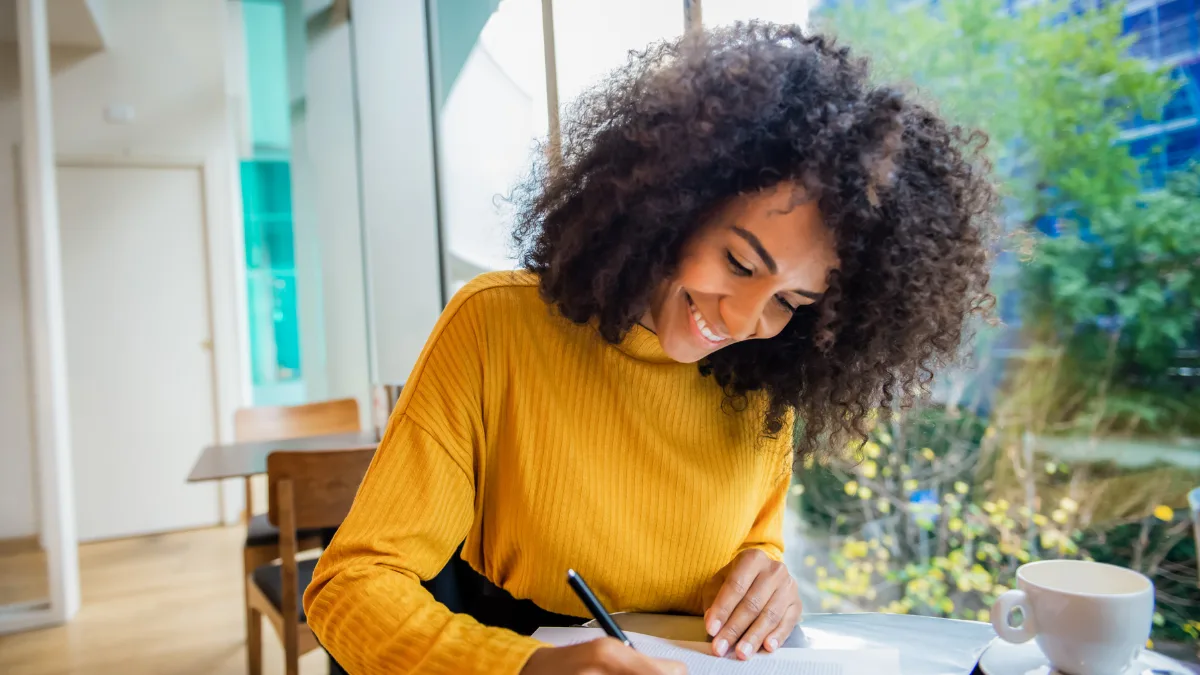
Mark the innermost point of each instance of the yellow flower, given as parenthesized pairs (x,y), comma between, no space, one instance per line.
(1002,505)
(809,561)
(884,506)
(1149,643)
(905,469)
(1069,505)
(821,573)
(927,453)
(990,507)
(871,449)
(885,437)
(1039,520)
(1164,513)
(984,615)
(955,524)
(1051,467)
(869,469)
(864,492)
(989,432)
(797,490)
(1059,516)
(887,472)
(851,487)
(960,487)
(910,484)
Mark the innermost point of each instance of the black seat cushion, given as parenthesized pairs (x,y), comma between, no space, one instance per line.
(269,579)
(260,532)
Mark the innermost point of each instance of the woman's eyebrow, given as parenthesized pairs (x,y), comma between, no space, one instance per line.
(758,248)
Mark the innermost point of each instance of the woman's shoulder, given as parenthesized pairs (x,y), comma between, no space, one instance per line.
(503,291)
(508,299)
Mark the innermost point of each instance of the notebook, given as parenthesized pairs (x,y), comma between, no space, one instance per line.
(698,658)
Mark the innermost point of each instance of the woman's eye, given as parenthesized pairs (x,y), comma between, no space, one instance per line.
(786,305)
(737,267)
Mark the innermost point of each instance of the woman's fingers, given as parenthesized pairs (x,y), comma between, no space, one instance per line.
(768,621)
(755,602)
(739,580)
(781,632)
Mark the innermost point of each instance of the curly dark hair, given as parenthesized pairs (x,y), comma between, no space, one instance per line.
(687,125)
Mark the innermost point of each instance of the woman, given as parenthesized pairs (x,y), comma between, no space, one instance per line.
(743,231)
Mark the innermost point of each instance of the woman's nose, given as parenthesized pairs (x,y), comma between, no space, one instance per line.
(742,316)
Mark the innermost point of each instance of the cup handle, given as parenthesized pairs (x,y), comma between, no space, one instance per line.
(1002,610)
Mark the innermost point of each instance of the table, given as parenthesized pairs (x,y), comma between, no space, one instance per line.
(239,460)
(927,646)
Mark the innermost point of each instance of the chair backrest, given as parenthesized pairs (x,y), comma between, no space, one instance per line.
(322,485)
(269,423)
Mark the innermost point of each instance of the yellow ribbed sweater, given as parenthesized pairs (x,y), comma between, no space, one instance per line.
(544,448)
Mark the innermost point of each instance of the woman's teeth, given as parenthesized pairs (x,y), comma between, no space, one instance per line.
(704,329)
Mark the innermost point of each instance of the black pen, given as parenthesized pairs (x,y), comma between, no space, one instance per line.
(593,605)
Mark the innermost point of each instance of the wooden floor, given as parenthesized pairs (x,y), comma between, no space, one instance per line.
(169,604)
(23,575)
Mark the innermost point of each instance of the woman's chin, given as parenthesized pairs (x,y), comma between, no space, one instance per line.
(683,351)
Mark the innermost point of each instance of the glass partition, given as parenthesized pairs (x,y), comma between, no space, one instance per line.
(300,206)
(1070,429)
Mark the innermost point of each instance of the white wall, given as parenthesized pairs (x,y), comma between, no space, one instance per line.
(167,61)
(18,515)
(399,207)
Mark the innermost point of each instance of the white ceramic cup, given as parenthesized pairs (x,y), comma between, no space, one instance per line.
(1089,618)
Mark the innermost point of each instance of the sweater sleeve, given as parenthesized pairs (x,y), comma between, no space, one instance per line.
(766,534)
(415,506)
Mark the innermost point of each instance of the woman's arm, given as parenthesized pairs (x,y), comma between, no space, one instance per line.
(415,506)
(366,603)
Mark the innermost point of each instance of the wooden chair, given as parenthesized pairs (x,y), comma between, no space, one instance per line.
(306,490)
(262,538)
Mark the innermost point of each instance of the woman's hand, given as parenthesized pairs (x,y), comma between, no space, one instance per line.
(605,656)
(752,603)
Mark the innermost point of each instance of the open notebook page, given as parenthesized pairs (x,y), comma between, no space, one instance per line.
(700,661)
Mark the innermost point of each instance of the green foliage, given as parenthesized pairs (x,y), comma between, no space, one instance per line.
(1124,290)
(1053,88)
(1050,86)
(952,555)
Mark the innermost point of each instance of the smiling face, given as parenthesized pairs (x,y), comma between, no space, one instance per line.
(742,276)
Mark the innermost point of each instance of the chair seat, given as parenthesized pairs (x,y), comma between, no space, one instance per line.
(260,532)
(269,580)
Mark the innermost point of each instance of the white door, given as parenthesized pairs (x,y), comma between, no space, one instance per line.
(139,347)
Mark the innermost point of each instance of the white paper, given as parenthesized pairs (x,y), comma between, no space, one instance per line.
(698,658)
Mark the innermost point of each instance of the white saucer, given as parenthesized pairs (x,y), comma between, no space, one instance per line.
(1005,658)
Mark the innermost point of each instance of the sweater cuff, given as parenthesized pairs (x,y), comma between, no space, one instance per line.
(503,653)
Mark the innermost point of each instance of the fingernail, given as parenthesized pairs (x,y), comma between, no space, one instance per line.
(722,647)
(714,626)
(744,648)
(772,644)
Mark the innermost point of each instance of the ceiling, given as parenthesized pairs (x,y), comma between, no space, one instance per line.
(73,23)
